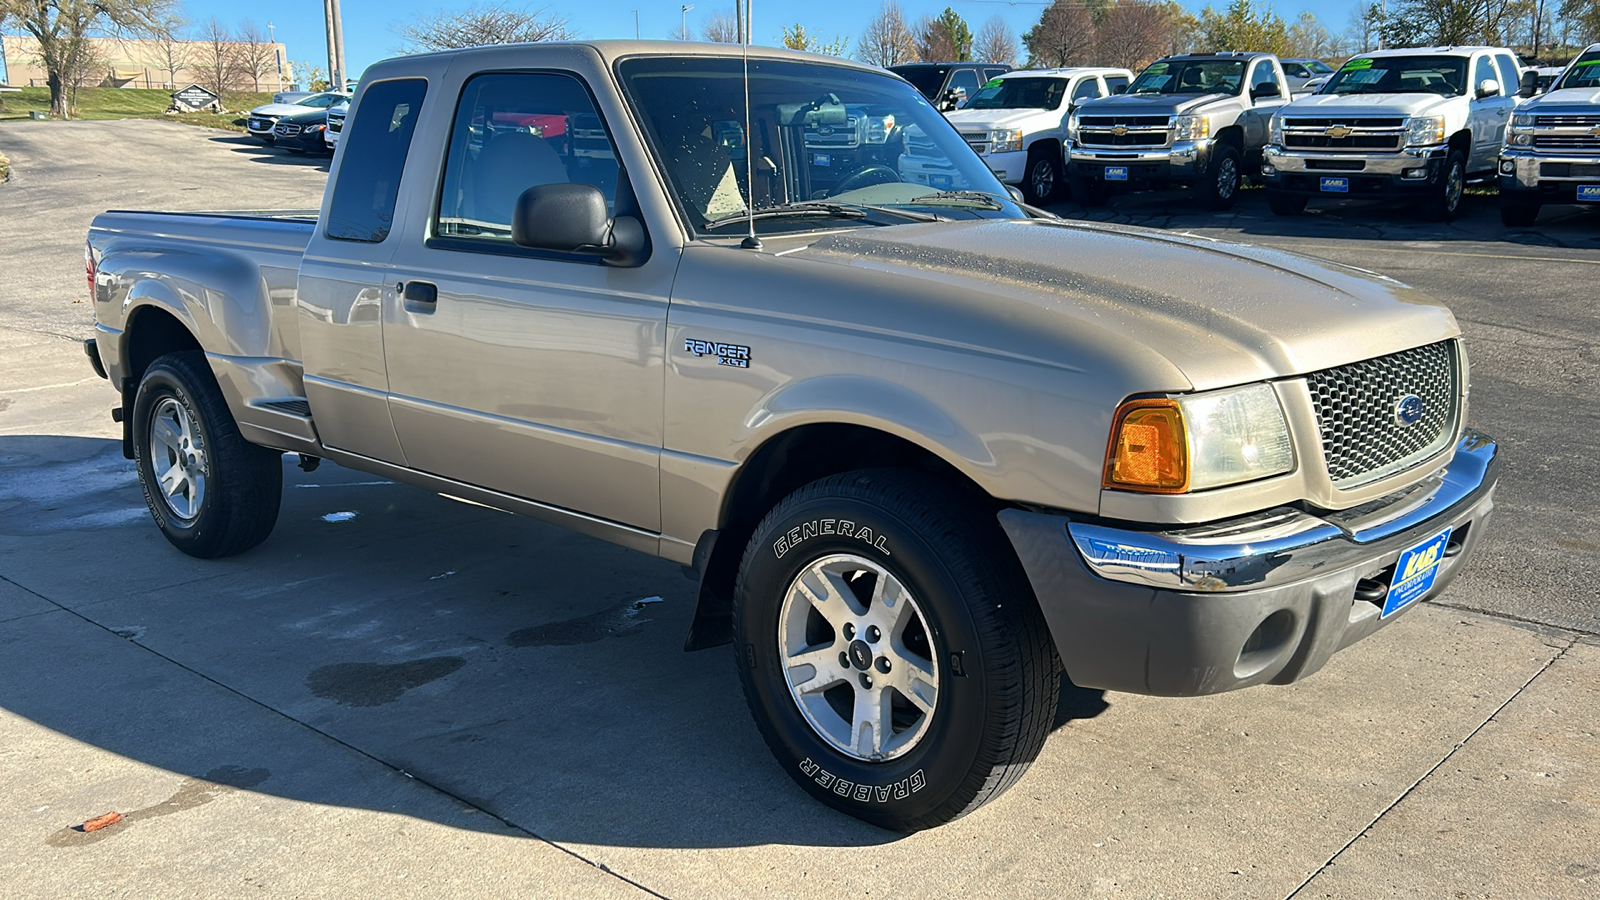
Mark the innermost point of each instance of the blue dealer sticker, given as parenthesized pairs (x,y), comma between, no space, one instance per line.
(1414,573)
(1116,173)
(1336,185)
(1589,193)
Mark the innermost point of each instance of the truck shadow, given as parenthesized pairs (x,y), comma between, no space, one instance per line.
(535,674)
(257,152)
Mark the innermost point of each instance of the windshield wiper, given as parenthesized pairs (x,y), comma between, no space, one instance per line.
(977,198)
(805,209)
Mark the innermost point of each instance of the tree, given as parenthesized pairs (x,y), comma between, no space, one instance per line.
(997,43)
(1134,33)
(1366,24)
(1412,23)
(797,38)
(945,39)
(1242,27)
(1064,36)
(310,75)
(721,28)
(175,50)
(492,22)
(1308,38)
(1579,21)
(62,29)
(888,40)
(253,53)
(218,57)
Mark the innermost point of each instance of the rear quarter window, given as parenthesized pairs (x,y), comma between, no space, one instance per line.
(376,142)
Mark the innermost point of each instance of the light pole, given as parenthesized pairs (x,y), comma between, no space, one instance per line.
(683,29)
(276,56)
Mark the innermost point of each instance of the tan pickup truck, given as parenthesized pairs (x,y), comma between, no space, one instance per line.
(926,449)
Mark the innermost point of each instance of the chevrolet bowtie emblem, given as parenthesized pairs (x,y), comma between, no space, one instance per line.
(1119,129)
(1595,131)
(1338,131)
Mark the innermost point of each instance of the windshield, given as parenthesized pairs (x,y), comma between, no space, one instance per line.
(828,142)
(1198,76)
(1445,75)
(1020,93)
(1317,66)
(320,101)
(1585,73)
(927,79)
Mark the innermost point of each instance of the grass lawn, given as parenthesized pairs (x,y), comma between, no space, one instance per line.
(127,103)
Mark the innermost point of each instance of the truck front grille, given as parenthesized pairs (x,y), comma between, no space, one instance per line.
(1351,142)
(831,137)
(1135,131)
(1566,121)
(1359,408)
(336,124)
(1566,142)
(1343,134)
(1569,170)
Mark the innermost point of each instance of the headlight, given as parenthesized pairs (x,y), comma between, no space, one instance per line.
(879,128)
(1005,139)
(1522,120)
(1275,131)
(1072,127)
(1191,128)
(1424,130)
(1191,443)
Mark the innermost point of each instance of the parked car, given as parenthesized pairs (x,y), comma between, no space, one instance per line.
(262,120)
(923,449)
(1312,86)
(302,132)
(286,97)
(1196,118)
(1544,76)
(948,85)
(1018,124)
(1552,148)
(336,116)
(1301,72)
(1420,122)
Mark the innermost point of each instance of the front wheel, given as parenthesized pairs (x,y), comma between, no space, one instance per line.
(1220,187)
(1452,186)
(211,492)
(1043,177)
(890,649)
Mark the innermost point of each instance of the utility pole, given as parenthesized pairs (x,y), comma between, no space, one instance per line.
(277,57)
(636,24)
(338,43)
(1538,19)
(684,28)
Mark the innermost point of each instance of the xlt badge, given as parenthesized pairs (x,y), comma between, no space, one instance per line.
(727,354)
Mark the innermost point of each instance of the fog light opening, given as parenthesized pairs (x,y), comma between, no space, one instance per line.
(1268,170)
(1265,644)
(1507,167)
(1414,174)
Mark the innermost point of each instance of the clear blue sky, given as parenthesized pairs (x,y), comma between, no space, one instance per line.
(369,33)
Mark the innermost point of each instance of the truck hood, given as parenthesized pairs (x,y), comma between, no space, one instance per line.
(1377,105)
(1222,314)
(1578,101)
(968,120)
(1149,104)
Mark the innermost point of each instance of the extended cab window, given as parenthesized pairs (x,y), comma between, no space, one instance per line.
(514,131)
(374,158)
(1510,73)
(1087,89)
(1116,81)
(1263,75)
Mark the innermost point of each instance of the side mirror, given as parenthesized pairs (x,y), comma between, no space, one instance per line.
(1263,91)
(952,99)
(1529,85)
(572,218)
(1015,193)
(1488,88)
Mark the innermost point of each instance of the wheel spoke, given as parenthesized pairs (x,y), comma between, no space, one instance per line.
(831,596)
(166,432)
(823,666)
(867,723)
(173,479)
(915,681)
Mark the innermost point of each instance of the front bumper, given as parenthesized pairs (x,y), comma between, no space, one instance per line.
(1546,178)
(1267,598)
(1010,166)
(1182,161)
(1417,169)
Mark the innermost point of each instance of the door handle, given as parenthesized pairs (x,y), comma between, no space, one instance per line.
(420,296)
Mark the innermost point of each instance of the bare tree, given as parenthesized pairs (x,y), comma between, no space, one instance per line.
(174,49)
(62,28)
(996,43)
(721,28)
(1064,36)
(797,38)
(483,23)
(888,40)
(256,56)
(1309,38)
(1133,33)
(217,57)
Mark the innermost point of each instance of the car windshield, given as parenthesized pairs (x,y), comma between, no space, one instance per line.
(829,143)
(320,101)
(1020,93)
(1190,76)
(1445,75)
(1317,66)
(927,79)
(1584,73)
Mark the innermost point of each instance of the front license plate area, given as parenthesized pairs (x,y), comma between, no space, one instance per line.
(1335,185)
(1589,193)
(1116,173)
(1415,572)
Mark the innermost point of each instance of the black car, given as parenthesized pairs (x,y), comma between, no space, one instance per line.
(936,81)
(302,132)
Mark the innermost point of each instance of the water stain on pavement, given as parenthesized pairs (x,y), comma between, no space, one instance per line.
(614,622)
(193,792)
(374,684)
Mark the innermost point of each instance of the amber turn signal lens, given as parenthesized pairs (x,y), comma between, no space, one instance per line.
(1149,450)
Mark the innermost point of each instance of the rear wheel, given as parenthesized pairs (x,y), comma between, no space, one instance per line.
(890,649)
(1452,186)
(1518,215)
(211,492)
(1286,204)
(1043,177)
(1220,187)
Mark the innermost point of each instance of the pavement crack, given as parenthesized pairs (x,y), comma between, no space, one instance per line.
(1435,767)
(342,743)
(1509,617)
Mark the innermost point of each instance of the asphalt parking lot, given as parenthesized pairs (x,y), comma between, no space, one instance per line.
(402,695)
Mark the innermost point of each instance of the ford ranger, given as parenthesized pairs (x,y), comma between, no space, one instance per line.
(924,450)
(1198,119)
(1552,148)
(1418,122)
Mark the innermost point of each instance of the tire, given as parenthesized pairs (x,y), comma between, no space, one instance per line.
(1446,199)
(1220,187)
(1090,193)
(224,498)
(1286,204)
(989,676)
(1041,182)
(1518,215)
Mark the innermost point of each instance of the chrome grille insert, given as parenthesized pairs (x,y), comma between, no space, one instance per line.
(1358,412)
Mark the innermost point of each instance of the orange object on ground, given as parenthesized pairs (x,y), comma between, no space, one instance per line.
(99,822)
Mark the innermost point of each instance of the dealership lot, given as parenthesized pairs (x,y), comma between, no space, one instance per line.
(406,695)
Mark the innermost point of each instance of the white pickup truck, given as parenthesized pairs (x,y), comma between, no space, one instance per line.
(1419,121)
(1552,149)
(1018,124)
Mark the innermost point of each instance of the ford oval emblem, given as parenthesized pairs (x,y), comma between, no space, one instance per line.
(1408,410)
